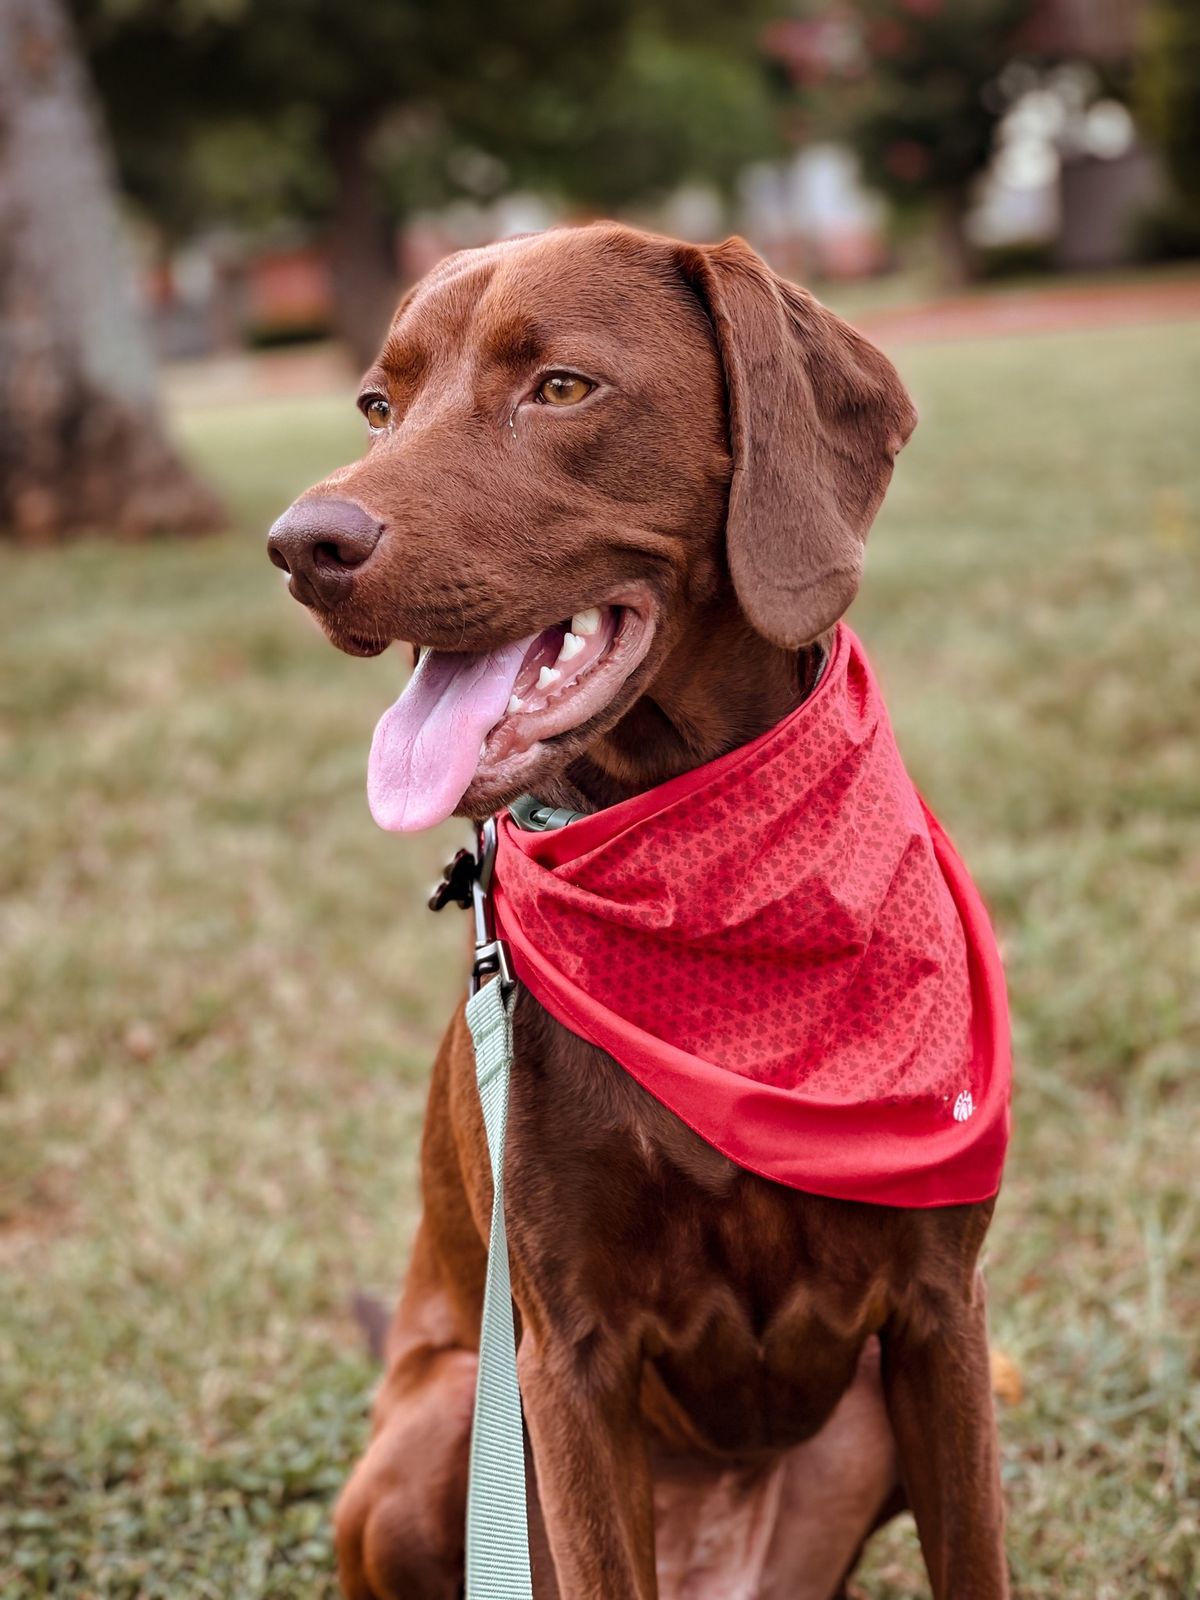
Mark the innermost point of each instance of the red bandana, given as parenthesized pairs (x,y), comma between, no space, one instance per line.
(784,949)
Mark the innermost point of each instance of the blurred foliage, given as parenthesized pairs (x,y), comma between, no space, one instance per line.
(1023,258)
(1167,92)
(226,111)
(670,110)
(675,111)
(1167,232)
(913,86)
(919,97)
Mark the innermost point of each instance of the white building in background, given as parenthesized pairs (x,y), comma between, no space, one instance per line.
(1068,171)
(813,216)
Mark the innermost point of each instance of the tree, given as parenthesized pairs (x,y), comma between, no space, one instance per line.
(81,441)
(913,87)
(675,109)
(1167,90)
(349,114)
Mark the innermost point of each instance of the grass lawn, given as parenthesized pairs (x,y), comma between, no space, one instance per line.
(220,991)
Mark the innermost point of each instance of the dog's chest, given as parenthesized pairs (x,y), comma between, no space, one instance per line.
(639,1233)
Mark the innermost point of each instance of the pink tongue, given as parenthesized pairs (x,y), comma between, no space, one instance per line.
(426,747)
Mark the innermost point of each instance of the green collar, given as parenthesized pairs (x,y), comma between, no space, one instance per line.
(535,816)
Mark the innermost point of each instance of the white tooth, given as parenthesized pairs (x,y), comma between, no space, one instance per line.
(514,704)
(571,646)
(547,678)
(586,622)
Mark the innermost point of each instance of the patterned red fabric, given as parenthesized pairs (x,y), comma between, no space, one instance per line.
(783,947)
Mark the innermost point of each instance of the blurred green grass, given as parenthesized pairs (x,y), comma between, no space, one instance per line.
(219,991)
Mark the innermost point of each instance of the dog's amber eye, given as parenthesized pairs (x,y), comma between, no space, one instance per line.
(564,389)
(377,411)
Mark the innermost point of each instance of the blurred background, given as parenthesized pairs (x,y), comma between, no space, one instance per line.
(219,990)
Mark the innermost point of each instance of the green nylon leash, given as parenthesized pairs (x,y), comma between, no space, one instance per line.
(497,1514)
(497,1520)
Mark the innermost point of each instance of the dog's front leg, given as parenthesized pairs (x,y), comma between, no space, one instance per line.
(593,1471)
(937,1382)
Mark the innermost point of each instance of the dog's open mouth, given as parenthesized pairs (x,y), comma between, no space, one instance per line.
(472,720)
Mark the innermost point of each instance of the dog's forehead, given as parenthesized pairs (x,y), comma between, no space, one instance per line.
(533,288)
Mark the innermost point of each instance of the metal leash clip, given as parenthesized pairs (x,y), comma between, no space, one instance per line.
(467,882)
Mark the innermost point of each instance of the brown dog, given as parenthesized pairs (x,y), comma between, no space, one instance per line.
(728,1382)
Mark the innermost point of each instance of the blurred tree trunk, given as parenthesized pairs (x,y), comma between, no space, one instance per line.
(362,251)
(82,445)
(957,265)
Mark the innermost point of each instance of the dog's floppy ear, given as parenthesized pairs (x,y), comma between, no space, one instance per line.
(816,417)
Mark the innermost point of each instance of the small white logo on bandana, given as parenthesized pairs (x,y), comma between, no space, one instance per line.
(964,1106)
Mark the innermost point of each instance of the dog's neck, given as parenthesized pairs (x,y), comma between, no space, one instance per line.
(721,687)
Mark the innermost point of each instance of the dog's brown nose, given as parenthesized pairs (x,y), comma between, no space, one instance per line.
(320,543)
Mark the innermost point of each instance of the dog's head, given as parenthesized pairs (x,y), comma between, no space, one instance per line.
(594,456)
